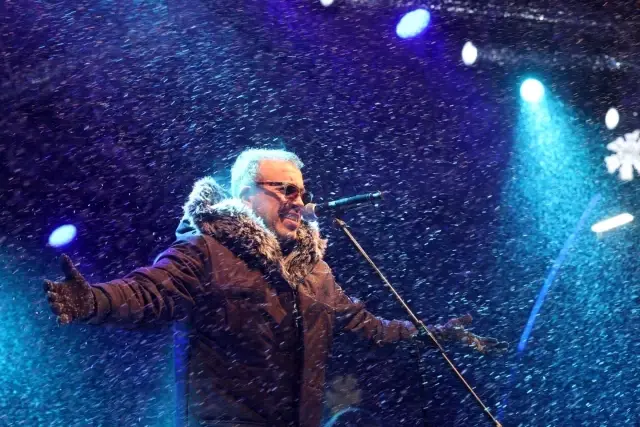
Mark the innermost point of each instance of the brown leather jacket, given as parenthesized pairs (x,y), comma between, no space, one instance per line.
(260,324)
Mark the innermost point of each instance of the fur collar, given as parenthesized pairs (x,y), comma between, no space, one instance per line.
(238,228)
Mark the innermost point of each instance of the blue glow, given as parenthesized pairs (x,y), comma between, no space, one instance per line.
(336,420)
(413,23)
(62,235)
(550,185)
(522,344)
(532,90)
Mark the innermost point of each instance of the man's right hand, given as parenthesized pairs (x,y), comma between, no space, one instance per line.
(72,298)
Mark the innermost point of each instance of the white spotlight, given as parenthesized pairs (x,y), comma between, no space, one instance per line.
(469,53)
(612,118)
(326,3)
(611,223)
(532,90)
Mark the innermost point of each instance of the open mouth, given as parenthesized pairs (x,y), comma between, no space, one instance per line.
(291,220)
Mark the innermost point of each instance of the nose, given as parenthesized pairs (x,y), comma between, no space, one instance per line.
(298,201)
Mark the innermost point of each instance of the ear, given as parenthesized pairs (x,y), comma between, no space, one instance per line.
(246,195)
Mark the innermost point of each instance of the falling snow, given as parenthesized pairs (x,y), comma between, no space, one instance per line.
(110,111)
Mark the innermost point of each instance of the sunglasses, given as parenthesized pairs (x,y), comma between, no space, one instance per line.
(289,190)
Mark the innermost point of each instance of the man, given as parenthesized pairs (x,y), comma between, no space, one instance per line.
(246,276)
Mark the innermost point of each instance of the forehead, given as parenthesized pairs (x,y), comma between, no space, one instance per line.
(279,170)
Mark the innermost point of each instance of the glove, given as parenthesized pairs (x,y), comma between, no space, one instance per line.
(71,299)
(455,330)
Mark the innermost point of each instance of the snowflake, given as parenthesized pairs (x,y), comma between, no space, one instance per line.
(626,157)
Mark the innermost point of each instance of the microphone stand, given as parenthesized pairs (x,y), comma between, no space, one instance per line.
(422,328)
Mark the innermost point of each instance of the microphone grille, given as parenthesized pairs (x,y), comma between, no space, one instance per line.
(309,212)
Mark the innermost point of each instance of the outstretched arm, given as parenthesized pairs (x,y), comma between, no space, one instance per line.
(162,292)
(351,315)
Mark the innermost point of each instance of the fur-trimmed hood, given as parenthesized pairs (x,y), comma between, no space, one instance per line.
(238,228)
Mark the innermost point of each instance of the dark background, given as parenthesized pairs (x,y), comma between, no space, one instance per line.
(110,110)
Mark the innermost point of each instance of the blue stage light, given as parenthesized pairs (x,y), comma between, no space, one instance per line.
(62,235)
(532,90)
(413,23)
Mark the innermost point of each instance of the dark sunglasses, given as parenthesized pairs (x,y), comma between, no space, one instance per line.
(290,191)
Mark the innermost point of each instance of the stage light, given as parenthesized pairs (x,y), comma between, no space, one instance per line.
(612,118)
(326,3)
(413,23)
(532,90)
(611,223)
(469,53)
(62,235)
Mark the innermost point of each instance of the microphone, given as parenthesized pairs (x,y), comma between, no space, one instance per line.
(311,211)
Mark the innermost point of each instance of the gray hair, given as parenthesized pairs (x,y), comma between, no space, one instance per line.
(245,168)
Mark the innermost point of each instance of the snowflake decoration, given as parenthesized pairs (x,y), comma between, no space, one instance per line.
(626,157)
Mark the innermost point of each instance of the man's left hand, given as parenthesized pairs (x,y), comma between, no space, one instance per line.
(455,330)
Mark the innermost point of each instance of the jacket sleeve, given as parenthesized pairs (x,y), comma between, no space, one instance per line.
(164,292)
(351,315)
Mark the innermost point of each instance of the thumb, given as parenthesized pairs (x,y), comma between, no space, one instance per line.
(64,319)
(70,272)
(466,319)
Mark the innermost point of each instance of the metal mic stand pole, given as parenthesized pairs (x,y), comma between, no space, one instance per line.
(422,328)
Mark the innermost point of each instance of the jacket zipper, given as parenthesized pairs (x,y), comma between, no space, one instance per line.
(299,353)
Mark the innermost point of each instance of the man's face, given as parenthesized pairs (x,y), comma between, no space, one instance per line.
(281,215)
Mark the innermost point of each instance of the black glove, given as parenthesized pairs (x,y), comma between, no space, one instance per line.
(72,298)
(455,330)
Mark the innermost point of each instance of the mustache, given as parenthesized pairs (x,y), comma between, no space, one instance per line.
(292,208)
